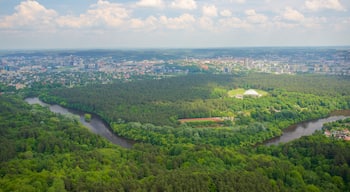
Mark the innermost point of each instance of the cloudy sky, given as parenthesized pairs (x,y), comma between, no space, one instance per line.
(47,24)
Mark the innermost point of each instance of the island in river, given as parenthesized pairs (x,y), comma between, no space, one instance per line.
(87,117)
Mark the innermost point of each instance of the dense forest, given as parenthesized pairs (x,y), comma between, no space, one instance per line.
(159,104)
(43,151)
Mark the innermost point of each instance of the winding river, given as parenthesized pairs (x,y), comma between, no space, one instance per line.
(306,128)
(96,125)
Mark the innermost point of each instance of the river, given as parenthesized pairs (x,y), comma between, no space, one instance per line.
(96,125)
(306,128)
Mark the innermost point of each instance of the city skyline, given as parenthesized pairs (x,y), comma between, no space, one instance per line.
(44,24)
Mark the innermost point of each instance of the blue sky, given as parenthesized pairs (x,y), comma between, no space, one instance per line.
(47,24)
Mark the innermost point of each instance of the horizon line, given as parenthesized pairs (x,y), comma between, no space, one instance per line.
(172,48)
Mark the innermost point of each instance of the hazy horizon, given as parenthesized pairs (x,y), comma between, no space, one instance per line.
(171,48)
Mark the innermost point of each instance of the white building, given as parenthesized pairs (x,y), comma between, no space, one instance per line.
(251,93)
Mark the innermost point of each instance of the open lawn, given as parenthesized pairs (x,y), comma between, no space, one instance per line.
(235,92)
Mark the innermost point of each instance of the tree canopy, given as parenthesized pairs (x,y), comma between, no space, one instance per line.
(43,151)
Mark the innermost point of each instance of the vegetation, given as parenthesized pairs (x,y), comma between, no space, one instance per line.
(287,100)
(341,124)
(87,117)
(240,91)
(43,151)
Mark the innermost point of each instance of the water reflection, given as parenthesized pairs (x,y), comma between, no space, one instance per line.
(303,129)
(96,125)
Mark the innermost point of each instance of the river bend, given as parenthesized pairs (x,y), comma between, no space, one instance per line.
(96,125)
(306,128)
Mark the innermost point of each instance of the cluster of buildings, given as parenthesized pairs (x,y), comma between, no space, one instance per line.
(277,65)
(343,134)
(69,69)
(23,71)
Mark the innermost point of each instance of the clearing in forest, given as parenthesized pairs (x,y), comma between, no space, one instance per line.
(240,92)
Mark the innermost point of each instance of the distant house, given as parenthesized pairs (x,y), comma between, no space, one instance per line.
(327,133)
(20,86)
(338,134)
(251,93)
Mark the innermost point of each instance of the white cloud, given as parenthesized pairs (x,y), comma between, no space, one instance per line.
(149,24)
(103,13)
(233,22)
(284,25)
(316,5)
(150,3)
(182,22)
(32,21)
(226,13)
(184,4)
(209,11)
(254,17)
(292,15)
(111,14)
(342,24)
(206,23)
(29,14)
(316,22)
(306,23)
(250,12)
(73,22)
(137,23)
(240,1)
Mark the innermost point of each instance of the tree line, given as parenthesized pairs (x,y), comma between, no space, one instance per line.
(43,151)
(162,102)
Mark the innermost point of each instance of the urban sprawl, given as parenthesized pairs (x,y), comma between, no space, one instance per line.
(27,70)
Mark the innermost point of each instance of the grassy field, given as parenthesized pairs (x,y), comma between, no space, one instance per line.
(235,92)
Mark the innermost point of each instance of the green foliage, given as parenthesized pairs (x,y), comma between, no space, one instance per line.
(220,136)
(234,92)
(322,163)
(87,117)
(291,99)
(42,151)
(152,101)
(6,88)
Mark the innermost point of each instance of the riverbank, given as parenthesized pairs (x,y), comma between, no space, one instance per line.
(96,124)
(306,128)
